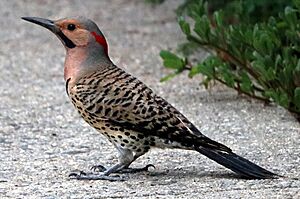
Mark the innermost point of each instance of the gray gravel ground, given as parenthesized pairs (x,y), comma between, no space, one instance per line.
(43,139)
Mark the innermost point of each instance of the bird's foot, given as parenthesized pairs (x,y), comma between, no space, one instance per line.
(136,170)
(101,168)
(92,176)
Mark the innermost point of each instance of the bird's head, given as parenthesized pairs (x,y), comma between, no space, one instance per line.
(87,49)
(74,32)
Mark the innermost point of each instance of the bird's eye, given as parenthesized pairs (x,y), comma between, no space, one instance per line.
(71,27)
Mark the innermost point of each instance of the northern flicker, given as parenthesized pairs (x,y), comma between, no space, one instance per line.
(121,107)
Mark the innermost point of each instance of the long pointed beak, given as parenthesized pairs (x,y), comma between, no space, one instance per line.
(50,25)
(43,22)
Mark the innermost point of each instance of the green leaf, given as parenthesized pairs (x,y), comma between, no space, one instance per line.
(185,27)
(218,15)
(173,63)
(168,55)
(202,27)
(171,60)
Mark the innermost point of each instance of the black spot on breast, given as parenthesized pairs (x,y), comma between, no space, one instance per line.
(127,133)
(120,136)
(126,141)
(133,137)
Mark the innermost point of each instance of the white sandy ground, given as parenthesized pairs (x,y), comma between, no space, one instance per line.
(43,139)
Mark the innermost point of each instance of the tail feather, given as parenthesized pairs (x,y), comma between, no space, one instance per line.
(237,164)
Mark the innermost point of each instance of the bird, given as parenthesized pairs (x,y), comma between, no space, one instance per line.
(126,111)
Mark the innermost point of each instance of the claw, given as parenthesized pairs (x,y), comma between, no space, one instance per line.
(75,175)
(71,175)
(148,166)
(98,168)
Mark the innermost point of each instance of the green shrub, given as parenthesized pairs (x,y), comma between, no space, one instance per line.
(258,57)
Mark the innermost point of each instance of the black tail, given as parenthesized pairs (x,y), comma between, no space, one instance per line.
(237,163)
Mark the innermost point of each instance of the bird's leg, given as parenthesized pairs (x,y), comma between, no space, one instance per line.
(125,159)
(126,169)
